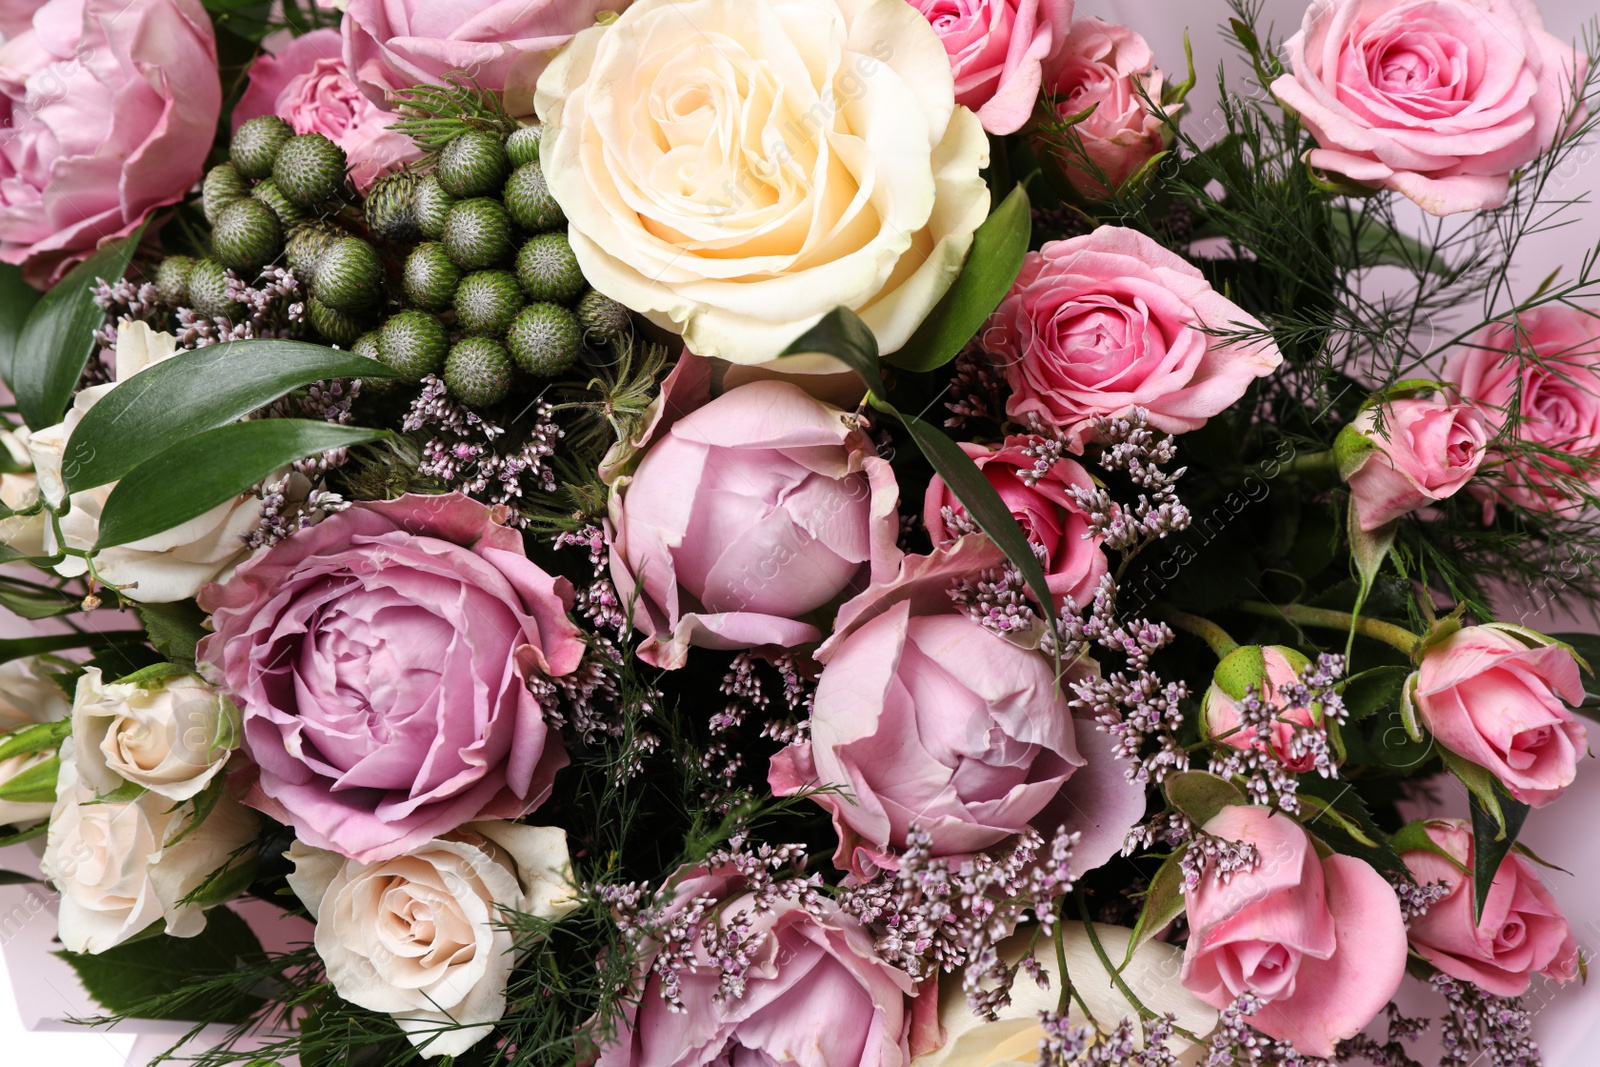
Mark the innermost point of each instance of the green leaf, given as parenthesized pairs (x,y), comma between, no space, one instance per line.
(36,785)
(1201,796)
(55,342)
(155,673)
(1480,782)
(1493,834)
(1371,691)
(36,738)
(139,979)
(17,298)
(1340,816)
(1371,243)
(18,647)
(1369,548)
(211,468)
(194,392)
(1587,648)
(1163,902)
(126,793)
(14,878)
(29,834)
(998,248)
(175,629)
(842,335)
(31,605)
(1413,837)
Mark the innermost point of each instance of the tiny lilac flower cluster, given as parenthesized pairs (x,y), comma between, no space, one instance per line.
(1235,1043)
(1391,1052)
(1480,1027)
(977,391)
(1415,900)
(1067,1045)
(1227,858)
(1132,448)
(274,307)
(1267,777)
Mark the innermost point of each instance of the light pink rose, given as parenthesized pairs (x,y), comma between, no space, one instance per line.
(996,48)
(1073,561)
(1439,100)
(923,717)
(1485,695)
(815,993)
(745,514)
(1550,377)
(1522,932)
(1279,666)
(110,107)
(1426,451)
(502,45)
(305,84)
(1321,941)
(1103,66)
(16,16)
(1100,324)
(382,661)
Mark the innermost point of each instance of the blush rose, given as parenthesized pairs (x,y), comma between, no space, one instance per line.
(996,48)
(1426,450)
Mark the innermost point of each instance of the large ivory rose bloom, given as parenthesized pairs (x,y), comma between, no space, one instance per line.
(163,567)
(419,936)
(735,169)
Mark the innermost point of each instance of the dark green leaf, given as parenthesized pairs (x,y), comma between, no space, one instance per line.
(32,605)
(842,335)
(25,835)
(1490,844)
(193,392)
(1587,646)
(1201,796)
(175,629)
(13,878)
(992,266)
(56,340)
(17,298)
(1163,902)
(1371,691)
(1335,812)
(139,979)
(211,468)
(18,647)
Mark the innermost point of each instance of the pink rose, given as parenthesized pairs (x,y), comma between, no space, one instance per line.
(924,717)
(1550,376)
(1321,941)
(1439,100)
(382,662)
(996,48)
(1103,323)
(305,84)
(814,992)
(744,515)
(1425,451)
(109,107)
(1103,66)
(1278,666)
(1046,511)
(16,17)
(1522,932)
(502,45)
(1485,695)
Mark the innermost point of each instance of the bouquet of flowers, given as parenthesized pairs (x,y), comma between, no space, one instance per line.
(841,533)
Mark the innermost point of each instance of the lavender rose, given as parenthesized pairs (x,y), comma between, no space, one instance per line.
(340,644)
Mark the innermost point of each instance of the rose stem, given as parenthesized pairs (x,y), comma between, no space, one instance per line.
(1387,632)
(1204,629)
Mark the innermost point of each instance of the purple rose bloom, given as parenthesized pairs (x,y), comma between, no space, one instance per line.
(381,660)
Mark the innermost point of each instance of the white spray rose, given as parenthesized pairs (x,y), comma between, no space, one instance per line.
(168,566)
(170,735)
(19,490)
(123,866)
(416,936)
(27,698)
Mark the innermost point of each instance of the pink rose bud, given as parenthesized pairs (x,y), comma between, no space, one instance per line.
(1547,369)
(109,108)
(1321,941)
(1485,695)
(1439,100)
(1522,932)
(1105,66)
(996,48)
(1046,510)
(1244,672)
(1100,324)
(1424,452)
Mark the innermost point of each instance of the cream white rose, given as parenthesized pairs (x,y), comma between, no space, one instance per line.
(171,736)
(1013,1039)
(19,490)
(122,867)
(27,698)
(171,565)
(735,169)
(416,936)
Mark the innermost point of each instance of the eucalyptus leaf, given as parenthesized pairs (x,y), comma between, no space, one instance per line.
(55,342)
(194,476)
(191,393)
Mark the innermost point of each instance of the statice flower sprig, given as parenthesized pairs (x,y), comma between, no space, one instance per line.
(1065,1044)
(1266,775)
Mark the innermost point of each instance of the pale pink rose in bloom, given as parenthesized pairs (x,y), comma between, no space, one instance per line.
(1047,512)
(110,107)
(1522,932)
(744,514)
(1321,941)
(1103,66)
(1439,100)
(1485,695)
(1426,450)
(1550,378)
(305,84)
(815,994)
(503,45)
(16,16)
(382,661)
(1279,666)
(925,718)
(1100,324)
(996,48)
